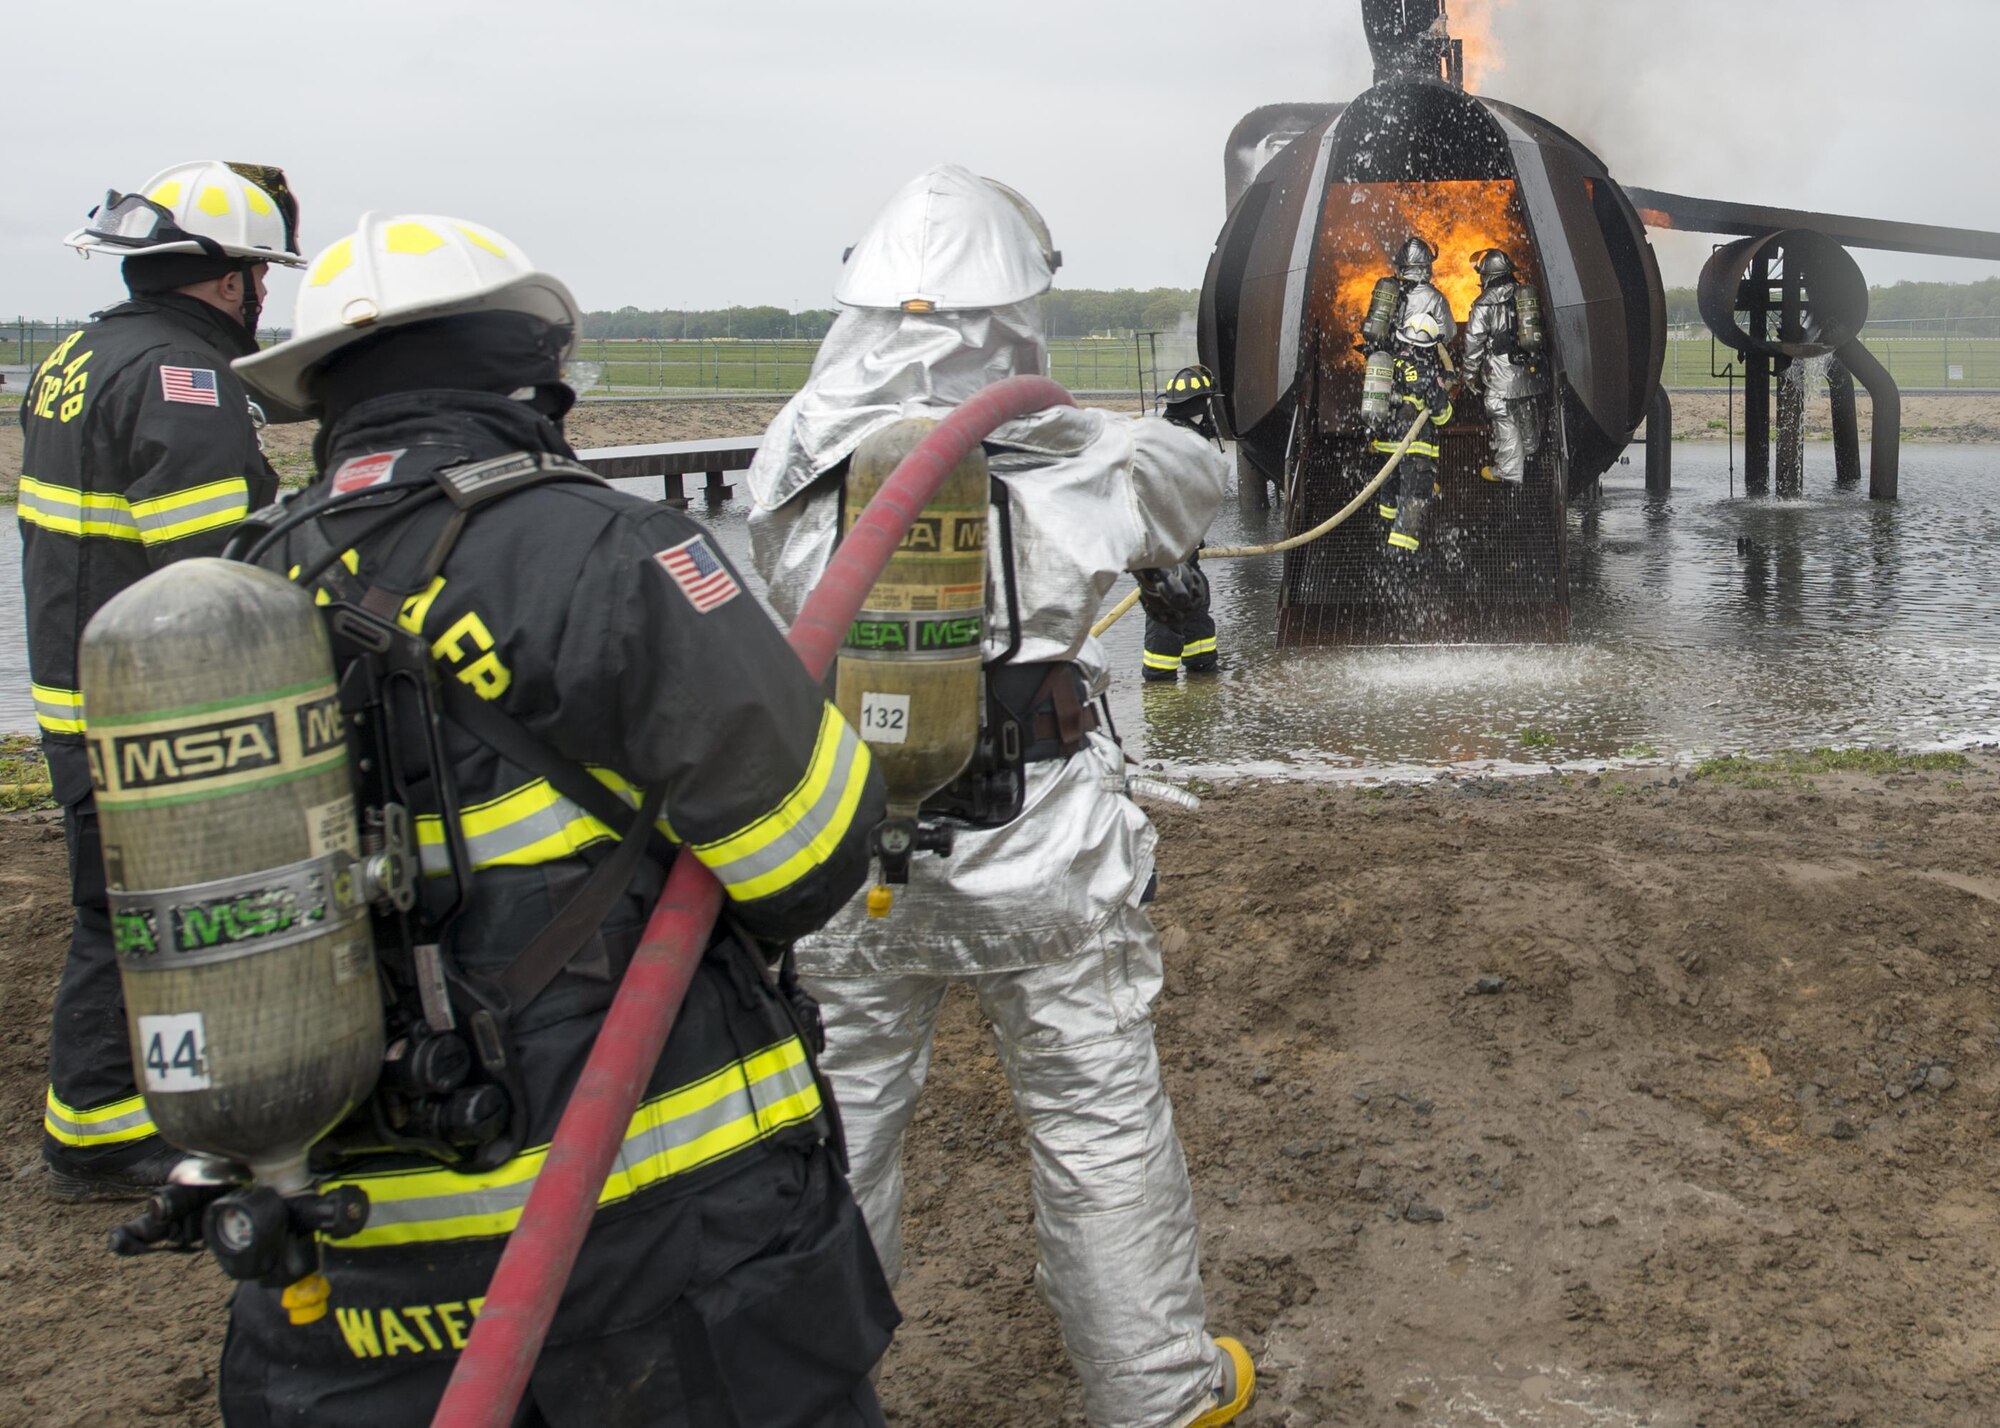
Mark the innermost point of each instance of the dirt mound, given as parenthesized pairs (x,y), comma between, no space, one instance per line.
(1619,1100)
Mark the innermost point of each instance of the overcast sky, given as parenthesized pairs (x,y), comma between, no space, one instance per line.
(667,153)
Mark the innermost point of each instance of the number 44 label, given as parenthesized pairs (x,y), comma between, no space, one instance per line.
(885,718)
(174,1051)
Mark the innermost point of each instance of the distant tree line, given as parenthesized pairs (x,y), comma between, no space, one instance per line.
(1068,312)
(1898,301)
(1096,312)
(714,322)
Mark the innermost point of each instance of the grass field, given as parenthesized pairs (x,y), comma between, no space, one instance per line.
(1912,361)
(1111,364)
(1082,363)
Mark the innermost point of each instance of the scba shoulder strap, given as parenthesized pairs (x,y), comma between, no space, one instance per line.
(468,488)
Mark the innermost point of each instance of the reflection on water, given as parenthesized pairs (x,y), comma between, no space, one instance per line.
(1706,622)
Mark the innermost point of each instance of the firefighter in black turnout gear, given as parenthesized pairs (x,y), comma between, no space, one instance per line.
(1502,341)
(585,643)
(1419,387)
(1180,631)
(140,448)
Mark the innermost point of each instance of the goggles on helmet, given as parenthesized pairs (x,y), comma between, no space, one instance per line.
(134,221)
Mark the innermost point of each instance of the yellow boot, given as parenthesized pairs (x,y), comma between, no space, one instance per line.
(1239,1386)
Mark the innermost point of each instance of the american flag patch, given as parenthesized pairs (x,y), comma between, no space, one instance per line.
(703,578)
(194,385)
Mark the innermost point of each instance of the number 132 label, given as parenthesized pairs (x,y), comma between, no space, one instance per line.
(174,1051)
(885,718)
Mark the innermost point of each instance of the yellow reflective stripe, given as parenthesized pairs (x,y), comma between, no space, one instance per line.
(1401,541)
(728,1111)
(805,828)
(60,711)
(190,512)
(1387,513)
(526,826)
(1160,661)
(113,1124)
(68,511)
(1198,647)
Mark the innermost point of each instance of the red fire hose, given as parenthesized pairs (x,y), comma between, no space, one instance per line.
(492,1373)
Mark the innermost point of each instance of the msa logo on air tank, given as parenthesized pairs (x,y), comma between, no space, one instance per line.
(221,749)
(919,636)
(170,756)
(935,535)
(319,725)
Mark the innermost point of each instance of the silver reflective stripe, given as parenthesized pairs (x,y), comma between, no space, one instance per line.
(488,848)
(812,824)
(739,1104)
(164,525)
(60,710)
(116,1126)
(69,511)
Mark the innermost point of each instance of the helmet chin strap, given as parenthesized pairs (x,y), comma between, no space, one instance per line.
(252,306)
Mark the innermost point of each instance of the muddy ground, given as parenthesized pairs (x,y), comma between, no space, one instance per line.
(1697,417)
(1563,1101)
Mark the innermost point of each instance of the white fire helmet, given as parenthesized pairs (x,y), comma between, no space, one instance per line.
(950,241)
(221,209)
(1419,329)
(394,270)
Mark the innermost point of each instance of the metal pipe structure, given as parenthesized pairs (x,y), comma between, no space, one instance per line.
(1713,215)
(492,1372)
(1756,424)
(1846,426)
(1660,443)
(1774,299)
(1884,442)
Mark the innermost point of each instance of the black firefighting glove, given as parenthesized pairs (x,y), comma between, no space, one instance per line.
(1174,593)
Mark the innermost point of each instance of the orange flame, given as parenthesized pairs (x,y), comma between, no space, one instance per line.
(1366,222)
(1471,23)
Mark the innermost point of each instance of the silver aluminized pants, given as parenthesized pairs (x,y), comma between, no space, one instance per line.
(1517,433)
(1114,1213)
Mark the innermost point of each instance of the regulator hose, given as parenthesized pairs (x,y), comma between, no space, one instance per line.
(1238,552)
(492,1372)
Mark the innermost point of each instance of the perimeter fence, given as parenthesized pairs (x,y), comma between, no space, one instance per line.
(721,365)
(1957,353)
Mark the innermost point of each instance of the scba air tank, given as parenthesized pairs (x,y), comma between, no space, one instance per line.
(1378,381)
(219,758)
(1378,328)
(908,676)
(1528,329)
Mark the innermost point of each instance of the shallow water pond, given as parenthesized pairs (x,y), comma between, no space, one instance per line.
(1709,621)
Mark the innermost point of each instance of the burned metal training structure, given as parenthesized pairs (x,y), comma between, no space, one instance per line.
(1320,197)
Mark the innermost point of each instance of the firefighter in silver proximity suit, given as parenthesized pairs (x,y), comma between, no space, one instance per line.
(1039,906)
(1415,262)
(1499,371)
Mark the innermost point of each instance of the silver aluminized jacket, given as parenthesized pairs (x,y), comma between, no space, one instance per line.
(1422,297)
(1090,495)
(1042,916)
(1493,373)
